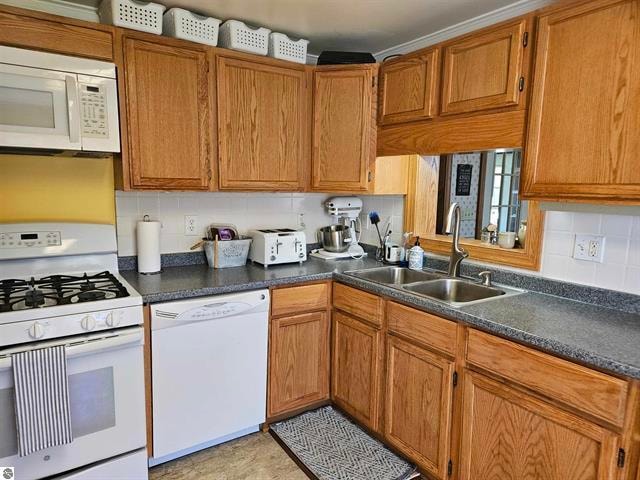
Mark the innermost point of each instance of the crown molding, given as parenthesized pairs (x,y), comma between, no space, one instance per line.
(58,7)
(496,16)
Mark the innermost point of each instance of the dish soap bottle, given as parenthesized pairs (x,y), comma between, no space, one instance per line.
(416,256)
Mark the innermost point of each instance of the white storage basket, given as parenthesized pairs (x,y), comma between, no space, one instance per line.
(237,35)
(180,23)
(227,253)
(143,16)
(281,46)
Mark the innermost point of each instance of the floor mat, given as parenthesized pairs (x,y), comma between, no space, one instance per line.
(332,447)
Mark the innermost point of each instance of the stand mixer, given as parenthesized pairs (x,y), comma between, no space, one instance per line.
(345,229)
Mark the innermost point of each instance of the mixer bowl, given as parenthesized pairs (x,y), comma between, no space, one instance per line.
(335,238)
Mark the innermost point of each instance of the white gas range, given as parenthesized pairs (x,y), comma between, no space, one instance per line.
(59,285)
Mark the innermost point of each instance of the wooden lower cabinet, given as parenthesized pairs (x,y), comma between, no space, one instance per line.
(511,435)
(356,369)
(418,405)
(298,362)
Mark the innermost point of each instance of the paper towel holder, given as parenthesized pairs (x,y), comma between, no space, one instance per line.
(147,219)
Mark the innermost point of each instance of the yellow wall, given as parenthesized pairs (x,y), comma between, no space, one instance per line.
(56,189)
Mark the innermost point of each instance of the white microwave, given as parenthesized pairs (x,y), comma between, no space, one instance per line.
(57,102)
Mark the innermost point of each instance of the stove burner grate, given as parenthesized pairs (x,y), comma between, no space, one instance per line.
(59,290)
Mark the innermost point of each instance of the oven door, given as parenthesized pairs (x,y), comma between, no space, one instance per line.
(106,394)
(39,108)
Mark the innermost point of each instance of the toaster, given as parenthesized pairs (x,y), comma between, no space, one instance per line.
(272,246)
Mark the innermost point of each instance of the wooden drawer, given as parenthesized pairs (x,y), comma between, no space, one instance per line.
(304,298)
(430,330)
(35,33)
(587,390)
(361,304)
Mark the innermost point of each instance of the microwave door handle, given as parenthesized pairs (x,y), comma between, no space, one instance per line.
(73,108)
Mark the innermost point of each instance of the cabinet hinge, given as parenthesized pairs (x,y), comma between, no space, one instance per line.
(525,39)
(450,468)
(621,457)
(521,84)
(373,82)
(455,379)
(369,176)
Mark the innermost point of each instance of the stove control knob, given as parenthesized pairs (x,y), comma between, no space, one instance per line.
(113,319)
(36,330)
(88,323)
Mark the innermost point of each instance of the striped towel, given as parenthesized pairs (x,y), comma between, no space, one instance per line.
(42,399)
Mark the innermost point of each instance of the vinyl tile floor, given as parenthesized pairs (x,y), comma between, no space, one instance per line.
(257,457)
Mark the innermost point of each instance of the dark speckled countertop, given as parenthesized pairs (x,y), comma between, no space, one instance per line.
(601,337)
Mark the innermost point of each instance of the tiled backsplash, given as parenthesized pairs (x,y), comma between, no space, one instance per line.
(244,210)
(620,269)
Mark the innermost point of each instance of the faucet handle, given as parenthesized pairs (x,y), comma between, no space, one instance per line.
(485,278)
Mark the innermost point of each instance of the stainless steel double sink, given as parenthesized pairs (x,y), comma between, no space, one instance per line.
(456,292)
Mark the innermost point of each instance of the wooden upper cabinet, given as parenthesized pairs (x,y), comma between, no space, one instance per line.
(40,31)
(168,114)
(344,128)
(584,119)
(356,369)
(418,405)
(408,88)
(298,362)
(483,70)
(263,125)
(510,435)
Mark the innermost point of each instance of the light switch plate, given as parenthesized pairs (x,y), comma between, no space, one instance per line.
(589,248)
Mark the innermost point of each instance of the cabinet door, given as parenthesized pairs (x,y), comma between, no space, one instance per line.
(482,71)
(418,405)
(168,108)
(263,129)
(509,435)
(356,368)
(408,88)
(298,362)
(584,118)
(344,129)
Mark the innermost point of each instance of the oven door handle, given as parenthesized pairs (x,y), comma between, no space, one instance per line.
(110,343)
(100,345)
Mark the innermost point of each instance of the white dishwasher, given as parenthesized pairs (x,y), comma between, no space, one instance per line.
(209,371)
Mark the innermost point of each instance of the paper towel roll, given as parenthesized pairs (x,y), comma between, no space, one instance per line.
(148,242)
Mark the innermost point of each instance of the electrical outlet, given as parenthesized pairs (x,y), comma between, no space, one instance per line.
(589,248)
(191,225)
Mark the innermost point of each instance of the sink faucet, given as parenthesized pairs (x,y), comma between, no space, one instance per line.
(457,252)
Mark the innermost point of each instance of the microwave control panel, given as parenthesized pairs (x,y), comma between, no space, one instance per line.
(93,110)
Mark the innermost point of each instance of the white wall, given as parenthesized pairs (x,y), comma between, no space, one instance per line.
(245,210)
(620,269)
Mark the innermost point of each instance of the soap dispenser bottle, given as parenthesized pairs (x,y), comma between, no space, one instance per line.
(416,256)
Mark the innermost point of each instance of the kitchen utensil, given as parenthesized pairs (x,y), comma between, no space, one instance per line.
(335,238)
(374,218)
